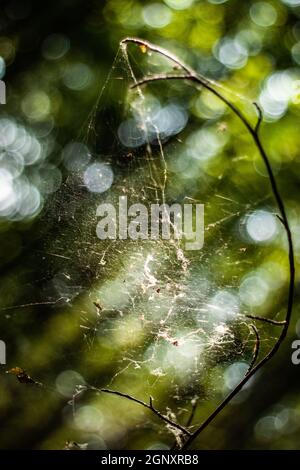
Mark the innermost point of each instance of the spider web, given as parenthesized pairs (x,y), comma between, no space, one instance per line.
(170,321)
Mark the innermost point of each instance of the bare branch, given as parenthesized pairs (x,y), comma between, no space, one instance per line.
(145,405)
(280,219)
(260,117)
(190,75)
(255,349)
(159,77)
(192,413)
(267,320)
(199,80)
(160,50)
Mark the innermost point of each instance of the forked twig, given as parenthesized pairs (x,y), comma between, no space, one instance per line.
(149,406)
(192,413)
(255,349)
(267,320)
(189,421)
(260,117)
(199,80)
(152,47)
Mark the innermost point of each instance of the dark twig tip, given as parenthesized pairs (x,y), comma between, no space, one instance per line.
(267,320)
(281,220)
(260,117)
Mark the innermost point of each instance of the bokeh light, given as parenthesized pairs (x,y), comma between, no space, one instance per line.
(89,418)
(231,53)
(76,156)
(263,14)
(55,46)
(261,226)
(36,105)
(78,76)
(234,373)
(253,291)
(131,133)
(98,177)
(292,3)
(67,382)
(278,90)
(179,4)
(223,306)
(157,15)
(205,143)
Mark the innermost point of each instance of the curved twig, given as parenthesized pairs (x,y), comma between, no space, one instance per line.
(149,406)
(160,50)
(255,349)
(199,80)
(267,320)
(260,117)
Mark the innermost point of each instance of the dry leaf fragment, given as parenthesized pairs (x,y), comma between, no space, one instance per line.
(21,375)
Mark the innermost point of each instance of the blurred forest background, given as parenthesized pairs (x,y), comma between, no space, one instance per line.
(145,318)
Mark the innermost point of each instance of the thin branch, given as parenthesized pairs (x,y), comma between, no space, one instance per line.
(267,320)
(260,117)
(199,80)
(160,50)
(159,77)
(149,406)
(192,413)
(189,420)
(280,219)
(255,349)
(253,131)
